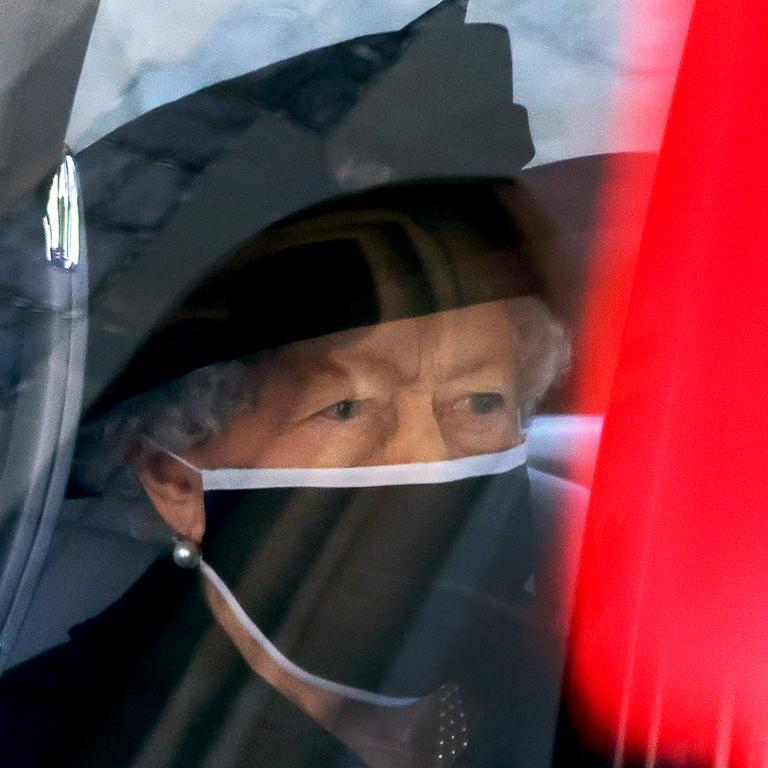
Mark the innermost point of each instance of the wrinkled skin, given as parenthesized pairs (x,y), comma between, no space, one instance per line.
(429,388)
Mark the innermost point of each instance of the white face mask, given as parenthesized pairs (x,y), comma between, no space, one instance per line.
(385,525)
(419,473)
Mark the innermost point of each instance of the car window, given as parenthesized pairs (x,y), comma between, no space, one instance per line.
(302,446)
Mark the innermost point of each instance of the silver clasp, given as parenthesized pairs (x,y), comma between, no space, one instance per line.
(62,220)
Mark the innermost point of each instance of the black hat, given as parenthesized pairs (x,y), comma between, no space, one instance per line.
(424,118)
(172,195)
(383,255)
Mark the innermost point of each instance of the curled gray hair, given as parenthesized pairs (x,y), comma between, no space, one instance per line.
(197,406)
(177,415)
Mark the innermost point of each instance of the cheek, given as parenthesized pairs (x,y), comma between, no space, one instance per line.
(469,434)
(242,442)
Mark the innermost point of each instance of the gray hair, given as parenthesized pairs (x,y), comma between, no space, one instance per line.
(197,406)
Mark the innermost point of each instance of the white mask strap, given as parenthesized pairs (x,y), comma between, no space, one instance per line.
(385,731)
(173,455)
(417,473)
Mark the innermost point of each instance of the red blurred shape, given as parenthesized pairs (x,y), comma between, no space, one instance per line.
(670,647)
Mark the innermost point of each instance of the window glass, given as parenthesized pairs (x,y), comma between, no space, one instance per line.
(328,473)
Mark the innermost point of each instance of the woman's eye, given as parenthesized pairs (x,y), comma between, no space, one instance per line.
(482,403)
(343,410)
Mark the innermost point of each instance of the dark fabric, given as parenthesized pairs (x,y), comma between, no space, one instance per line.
(259,298)
(383,550)
(371,596)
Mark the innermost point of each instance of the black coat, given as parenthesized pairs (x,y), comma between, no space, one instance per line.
(153,680)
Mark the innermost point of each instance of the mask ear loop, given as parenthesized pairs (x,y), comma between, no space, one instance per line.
(168,452)
(384,731)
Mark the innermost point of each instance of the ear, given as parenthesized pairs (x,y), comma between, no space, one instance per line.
(176,492)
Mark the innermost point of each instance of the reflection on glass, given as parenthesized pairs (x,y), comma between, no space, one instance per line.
(62,217)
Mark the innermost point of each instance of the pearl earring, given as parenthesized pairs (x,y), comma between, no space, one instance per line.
(186,554)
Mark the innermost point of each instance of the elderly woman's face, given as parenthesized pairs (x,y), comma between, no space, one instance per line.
(424,389)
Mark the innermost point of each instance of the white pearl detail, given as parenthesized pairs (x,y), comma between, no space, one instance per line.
(186,554)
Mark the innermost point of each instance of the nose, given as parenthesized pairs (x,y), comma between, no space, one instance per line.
(416,434)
